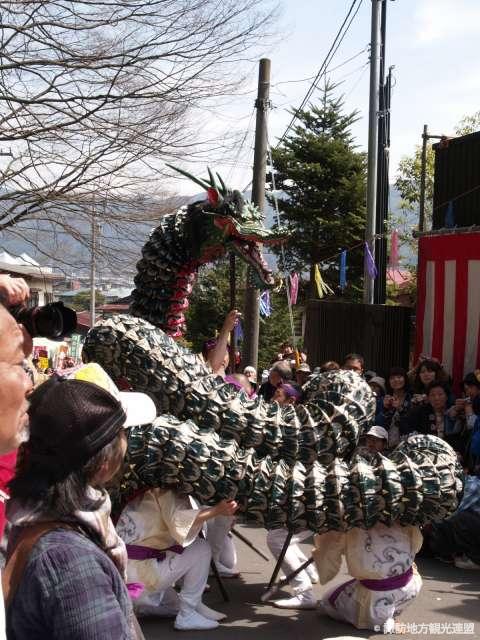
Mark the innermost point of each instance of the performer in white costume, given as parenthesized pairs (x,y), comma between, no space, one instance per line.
(222,545)
(385,578)
(303,597)
(160,530)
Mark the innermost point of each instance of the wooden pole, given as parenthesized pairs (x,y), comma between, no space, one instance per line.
(252,297)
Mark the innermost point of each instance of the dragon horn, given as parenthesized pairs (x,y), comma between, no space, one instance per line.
(224,187)
(213,182)
(203,183)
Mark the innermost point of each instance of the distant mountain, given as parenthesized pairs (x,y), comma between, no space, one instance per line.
(122,241)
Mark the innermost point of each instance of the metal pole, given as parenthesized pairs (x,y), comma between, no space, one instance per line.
(233,296)
(381,213)
(368,286)
(252,303)
(92,268)
(280,559)
(276,587)
(217,575)
(423,176)
(245,540)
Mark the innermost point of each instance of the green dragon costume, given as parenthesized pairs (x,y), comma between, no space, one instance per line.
(200,233)
(293,466)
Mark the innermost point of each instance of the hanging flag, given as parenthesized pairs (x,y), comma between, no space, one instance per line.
(238,332)
(322,286)
(293,288)
(393,261)
(449,216)
(343,269)
(265,306)
(370,262)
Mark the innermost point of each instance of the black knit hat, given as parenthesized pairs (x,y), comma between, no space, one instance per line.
(71,421)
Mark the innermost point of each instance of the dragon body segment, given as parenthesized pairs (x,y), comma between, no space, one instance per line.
(292,466)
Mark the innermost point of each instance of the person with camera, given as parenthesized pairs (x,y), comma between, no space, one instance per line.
(396,405)
(464,412)
(15,384)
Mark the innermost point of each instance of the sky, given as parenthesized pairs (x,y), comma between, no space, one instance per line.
(431,43)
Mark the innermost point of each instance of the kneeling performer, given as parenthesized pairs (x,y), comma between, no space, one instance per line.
(385,578)
(160,530)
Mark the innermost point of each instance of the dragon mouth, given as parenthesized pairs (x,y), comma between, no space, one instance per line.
(251,254)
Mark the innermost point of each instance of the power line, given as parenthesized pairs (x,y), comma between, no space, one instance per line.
(339,66)
(240,147)
(328,58)
(324,67)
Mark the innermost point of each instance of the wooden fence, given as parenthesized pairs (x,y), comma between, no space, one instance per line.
(380,333)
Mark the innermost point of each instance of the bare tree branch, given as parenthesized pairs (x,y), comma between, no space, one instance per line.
(103,92)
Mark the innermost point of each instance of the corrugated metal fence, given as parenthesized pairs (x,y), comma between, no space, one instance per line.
(380,333)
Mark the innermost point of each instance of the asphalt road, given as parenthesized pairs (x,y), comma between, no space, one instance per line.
(449,599)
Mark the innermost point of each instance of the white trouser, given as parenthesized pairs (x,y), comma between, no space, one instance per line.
(294,557)
(221,542)
(192,566)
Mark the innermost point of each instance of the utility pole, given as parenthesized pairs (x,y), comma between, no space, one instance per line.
(423,176)
(252,303)
(423,173)
(368,286)
(233,302)
(93,266)
(383,186)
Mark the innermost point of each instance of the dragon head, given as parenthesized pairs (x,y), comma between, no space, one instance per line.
(226,222)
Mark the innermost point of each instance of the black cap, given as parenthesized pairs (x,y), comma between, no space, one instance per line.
(71,421)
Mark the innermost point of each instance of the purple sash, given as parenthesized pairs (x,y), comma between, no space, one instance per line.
(384,584)
(138,552)
(388,584)
(135,589)
(332,598)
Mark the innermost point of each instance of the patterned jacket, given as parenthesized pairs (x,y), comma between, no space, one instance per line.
(70,589)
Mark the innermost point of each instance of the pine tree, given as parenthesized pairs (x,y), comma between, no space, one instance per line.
(321,177)
(210,303)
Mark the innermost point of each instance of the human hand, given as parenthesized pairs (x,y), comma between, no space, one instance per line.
(452,412)
(231,320)
(13,290)
(396,403)
(467,407)
(458,407)
(226,508)
(418,398)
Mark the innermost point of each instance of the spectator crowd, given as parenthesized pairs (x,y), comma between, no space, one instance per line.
(421,400)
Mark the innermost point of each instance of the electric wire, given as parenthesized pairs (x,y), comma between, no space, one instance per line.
(242,143)
(324,67)
(339,66)
(277,214)
(349,18)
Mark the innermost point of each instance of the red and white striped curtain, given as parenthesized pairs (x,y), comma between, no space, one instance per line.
(448,302)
